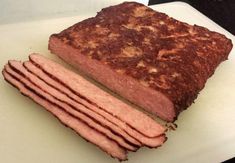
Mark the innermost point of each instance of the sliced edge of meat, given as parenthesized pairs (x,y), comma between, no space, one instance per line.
(150,142)
(153,101)
(136,119)
(16,68)
(91,135)
(57,85)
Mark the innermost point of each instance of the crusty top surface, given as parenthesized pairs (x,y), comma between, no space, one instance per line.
(160,52)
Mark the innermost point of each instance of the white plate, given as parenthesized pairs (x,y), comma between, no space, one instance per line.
(28,133)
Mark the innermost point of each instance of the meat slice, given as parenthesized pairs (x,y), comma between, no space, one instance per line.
(91,135)
(40,88)
(134,118)
(102,115)
(149,58)
(151,142)
(154,142)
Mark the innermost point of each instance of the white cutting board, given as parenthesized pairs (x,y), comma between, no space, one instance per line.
(28,133)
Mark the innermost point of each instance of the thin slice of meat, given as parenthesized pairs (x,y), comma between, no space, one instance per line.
(151,142)
(21,74)
(136,119)
(103,115)
(91,135)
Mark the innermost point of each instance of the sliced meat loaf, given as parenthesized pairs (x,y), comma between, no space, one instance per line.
(17,70)
(70,80)
(95,95)
(48,83)
(101,117)
(108,120)
(147,57)
(88,133)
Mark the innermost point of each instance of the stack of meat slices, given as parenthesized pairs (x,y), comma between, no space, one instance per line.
(97,116)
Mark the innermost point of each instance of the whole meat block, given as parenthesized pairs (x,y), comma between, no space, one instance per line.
(147,57)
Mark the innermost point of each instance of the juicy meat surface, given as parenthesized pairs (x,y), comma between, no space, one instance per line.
(91,135)
(149,58)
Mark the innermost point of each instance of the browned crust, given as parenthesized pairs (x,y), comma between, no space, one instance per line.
(159,52)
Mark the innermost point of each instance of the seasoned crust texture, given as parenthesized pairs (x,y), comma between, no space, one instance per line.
(162,53)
